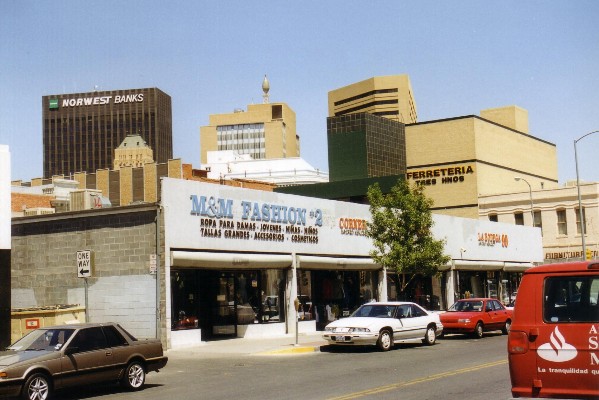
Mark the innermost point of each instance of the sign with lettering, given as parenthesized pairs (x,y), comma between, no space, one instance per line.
(96,100)
(84,263)
(32,323)
(445,175)
(209,217)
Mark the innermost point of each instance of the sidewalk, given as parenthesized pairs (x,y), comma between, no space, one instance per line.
(282,345)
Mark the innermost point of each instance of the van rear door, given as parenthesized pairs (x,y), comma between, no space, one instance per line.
(567,346)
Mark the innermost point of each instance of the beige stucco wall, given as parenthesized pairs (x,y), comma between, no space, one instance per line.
(463,158)
(406,105)
(511,116)
(556,246)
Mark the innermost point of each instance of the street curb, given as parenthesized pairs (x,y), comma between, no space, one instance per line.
(291,350)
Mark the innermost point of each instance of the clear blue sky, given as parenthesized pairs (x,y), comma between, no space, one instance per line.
(211,57)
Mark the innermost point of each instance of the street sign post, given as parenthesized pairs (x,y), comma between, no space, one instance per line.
(85,264)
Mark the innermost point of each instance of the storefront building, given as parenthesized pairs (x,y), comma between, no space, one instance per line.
(214,261)
(239,262)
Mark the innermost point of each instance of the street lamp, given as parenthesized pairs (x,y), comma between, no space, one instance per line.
(532,214)
(581,214)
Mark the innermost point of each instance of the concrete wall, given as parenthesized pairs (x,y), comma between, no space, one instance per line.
(121,288)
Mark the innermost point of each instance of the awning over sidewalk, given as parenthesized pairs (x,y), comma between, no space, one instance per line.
(202,259)
(337,263)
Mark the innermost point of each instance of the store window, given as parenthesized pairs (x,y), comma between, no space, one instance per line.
(336,294)
(184,307)
(214,300)
(260,296)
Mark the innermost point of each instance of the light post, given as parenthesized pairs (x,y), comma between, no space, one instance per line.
(532,214)
(581,214)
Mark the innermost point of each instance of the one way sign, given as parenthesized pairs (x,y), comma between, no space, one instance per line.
(84,263)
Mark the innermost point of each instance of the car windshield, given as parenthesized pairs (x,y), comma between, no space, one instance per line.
(467,305)
(43,339)
(375,311)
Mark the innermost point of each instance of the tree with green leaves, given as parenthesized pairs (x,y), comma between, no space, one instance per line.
(401,232)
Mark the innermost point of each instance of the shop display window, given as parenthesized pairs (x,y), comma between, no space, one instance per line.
(184,305)
(336,294)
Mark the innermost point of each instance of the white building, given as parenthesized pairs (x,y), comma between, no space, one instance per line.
(228,164)
(236,259)
(556,212)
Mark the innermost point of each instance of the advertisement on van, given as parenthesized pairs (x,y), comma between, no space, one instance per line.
(554,343)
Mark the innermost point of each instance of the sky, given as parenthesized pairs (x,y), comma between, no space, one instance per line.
(211,57)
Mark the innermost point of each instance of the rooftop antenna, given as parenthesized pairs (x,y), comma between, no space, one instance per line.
(265,89)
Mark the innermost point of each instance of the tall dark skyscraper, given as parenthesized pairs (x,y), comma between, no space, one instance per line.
(81,130)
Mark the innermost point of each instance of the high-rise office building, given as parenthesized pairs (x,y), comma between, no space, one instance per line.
(82,130)
(264,131)
(386,96)
(364,145)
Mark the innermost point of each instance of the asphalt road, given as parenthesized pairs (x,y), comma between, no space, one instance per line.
(457,367)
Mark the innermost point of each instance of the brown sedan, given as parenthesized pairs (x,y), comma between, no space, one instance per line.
(69,355)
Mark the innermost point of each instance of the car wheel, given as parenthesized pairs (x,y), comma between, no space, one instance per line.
(506,328)
(385,341)
(37,387)
(429,337)
(478,330)
(135,376)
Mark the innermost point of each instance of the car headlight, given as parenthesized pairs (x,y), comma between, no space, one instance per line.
(327,329)
(359,330)
(464,320)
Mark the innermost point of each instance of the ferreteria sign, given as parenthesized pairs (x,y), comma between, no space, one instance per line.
(448,175)
(97,100)
(208,217)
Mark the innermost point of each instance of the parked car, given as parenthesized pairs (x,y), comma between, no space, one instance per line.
(57,357)
(382,324)
(476,316)
(553,346)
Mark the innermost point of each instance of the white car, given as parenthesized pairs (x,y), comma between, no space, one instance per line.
(384,323)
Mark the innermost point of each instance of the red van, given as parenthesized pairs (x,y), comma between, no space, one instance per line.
(553,344)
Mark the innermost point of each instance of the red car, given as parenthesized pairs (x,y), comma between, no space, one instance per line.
(475,316)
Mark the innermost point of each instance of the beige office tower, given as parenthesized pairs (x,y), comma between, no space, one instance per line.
(264,131)
(133,152)
(386,96)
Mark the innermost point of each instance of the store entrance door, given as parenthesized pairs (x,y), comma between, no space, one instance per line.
(217,304)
